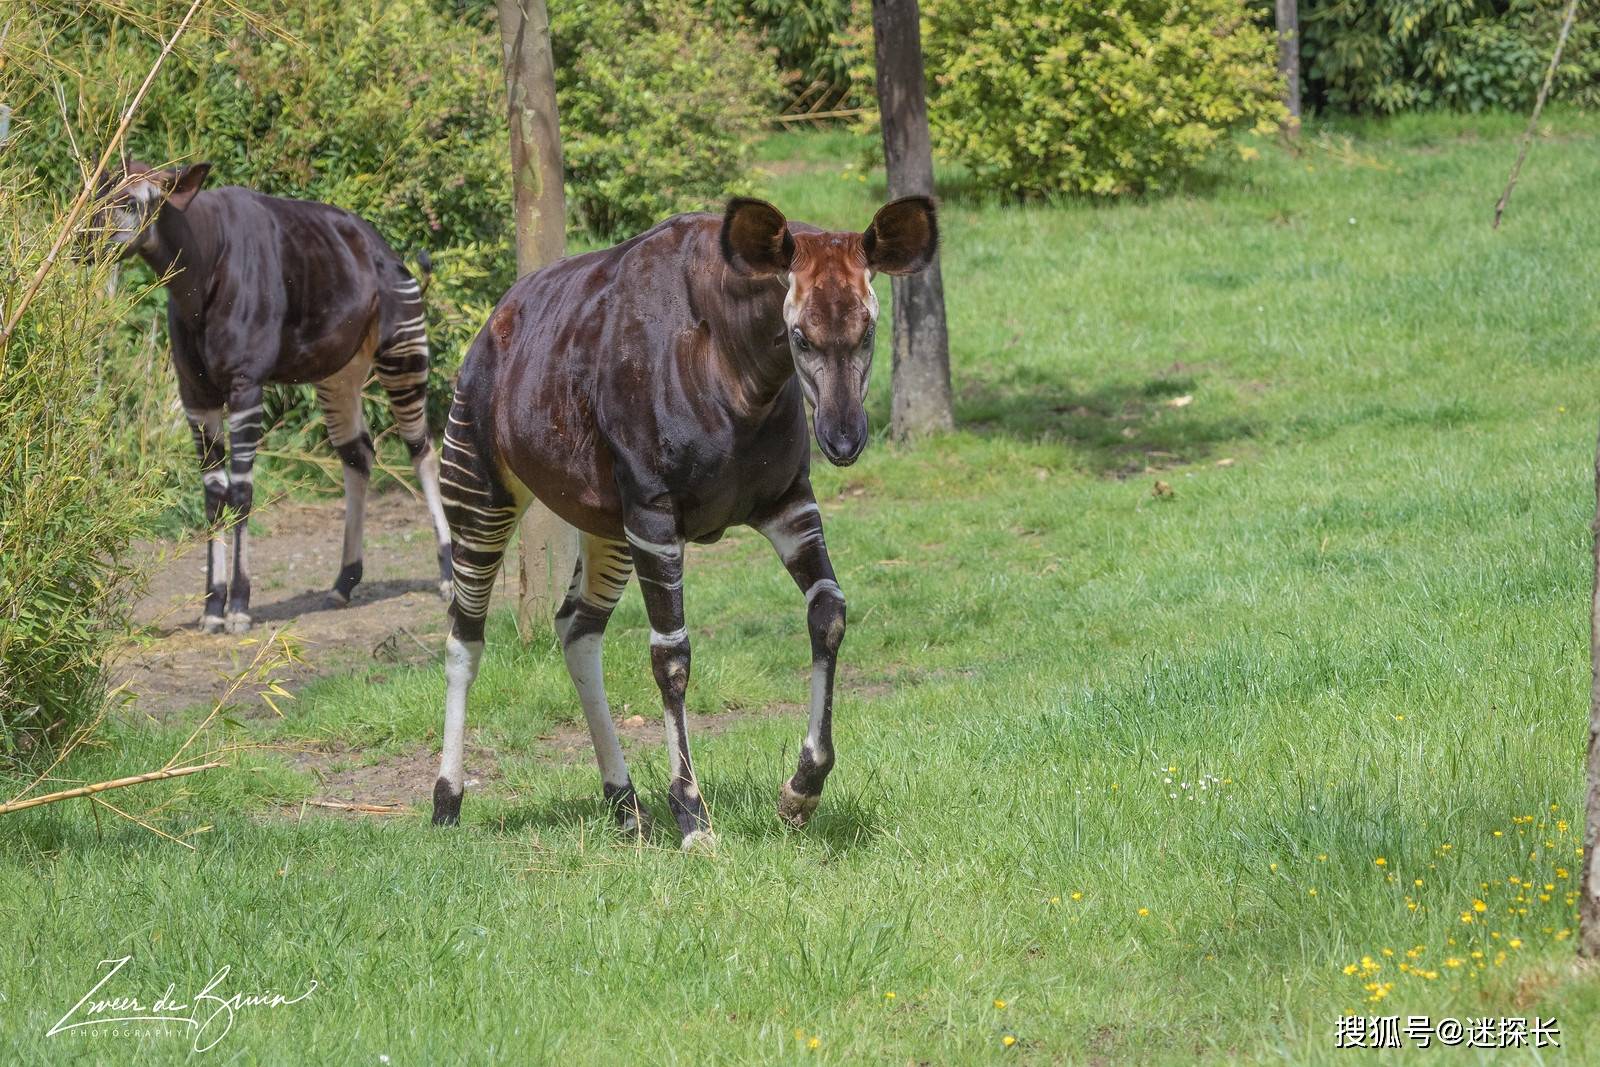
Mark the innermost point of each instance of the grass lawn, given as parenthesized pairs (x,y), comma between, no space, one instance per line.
(1127,777)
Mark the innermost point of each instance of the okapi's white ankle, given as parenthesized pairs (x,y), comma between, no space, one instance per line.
(700,841)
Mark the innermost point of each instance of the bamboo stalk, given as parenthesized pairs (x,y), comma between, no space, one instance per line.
(100,787)
(809,115)
(1538,106)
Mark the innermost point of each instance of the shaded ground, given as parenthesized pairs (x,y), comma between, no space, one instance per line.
(396,614)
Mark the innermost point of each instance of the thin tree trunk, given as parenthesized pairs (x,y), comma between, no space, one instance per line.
(548,547)
(920,379)
(1589,902)
(1289,60)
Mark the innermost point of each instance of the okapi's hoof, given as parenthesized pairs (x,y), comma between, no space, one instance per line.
(336,599)
(446,804)
(237,622)
(703,841)
(211,624)
(796,808)
(447,589)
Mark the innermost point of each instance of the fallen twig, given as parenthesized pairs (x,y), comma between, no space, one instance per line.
(365,809)
(1538,106)
(100,787)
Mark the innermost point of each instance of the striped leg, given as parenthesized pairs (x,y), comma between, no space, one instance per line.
(795,530)
(658,557)
(403,370)
(482,515)
(205,424)
(244,434)
(598,580)
(340,399)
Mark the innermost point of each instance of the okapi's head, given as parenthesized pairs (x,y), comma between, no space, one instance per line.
(831,310)
(129,203)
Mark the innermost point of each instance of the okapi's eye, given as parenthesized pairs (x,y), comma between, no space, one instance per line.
(866,341)
(800,341)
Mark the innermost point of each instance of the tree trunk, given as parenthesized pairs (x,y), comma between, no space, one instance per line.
(920,372)
(1589,901)
(1289,60)
(548,547)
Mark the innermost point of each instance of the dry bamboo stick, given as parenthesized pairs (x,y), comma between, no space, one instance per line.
(100,787)
(809,115)
(1538,106)
(90,185)
(366,809)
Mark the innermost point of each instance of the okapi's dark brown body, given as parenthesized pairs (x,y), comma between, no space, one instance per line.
(271,290)
(650,369)
(655,393)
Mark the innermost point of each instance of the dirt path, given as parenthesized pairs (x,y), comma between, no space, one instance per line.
(396,613)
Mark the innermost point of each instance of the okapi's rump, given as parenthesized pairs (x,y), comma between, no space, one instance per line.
(652,394)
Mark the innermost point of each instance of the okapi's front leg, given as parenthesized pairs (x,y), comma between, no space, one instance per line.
(795,530)
(205,424)
(658,559)
(244,434)
(598,580)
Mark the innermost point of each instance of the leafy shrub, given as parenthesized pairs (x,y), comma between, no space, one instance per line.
(809,37)
(70,506)
(1386,56)
(1045,96)
(665,125)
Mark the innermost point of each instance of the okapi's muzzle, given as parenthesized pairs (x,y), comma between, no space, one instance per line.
(838,402)
(830,309)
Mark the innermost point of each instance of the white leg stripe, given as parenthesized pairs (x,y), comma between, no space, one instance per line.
(668,551)
(676,637)
(826,585)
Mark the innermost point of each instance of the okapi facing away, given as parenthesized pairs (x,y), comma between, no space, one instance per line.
(261,289)
(655,393)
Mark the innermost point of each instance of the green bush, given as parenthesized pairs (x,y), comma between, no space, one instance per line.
(70,503)
(1045,96)
(811,38)
(667,124)
(1386,56)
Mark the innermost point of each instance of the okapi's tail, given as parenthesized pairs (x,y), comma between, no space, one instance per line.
(425,270)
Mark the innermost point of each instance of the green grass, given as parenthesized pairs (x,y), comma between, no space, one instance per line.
(1363,638)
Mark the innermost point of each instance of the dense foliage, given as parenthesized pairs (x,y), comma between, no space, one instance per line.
(70,501)
(1386,56)
(1040,96)
(667,125)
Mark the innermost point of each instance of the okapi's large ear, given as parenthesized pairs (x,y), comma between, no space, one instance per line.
(187,183)
(755,238)
(903,236)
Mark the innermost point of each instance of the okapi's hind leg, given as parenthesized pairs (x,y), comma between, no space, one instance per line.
(340,399)
(598,581)
(482,515)
(658,556)
(205,424)
(403,370)
(795,530)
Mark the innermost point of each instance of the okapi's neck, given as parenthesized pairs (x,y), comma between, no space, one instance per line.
(186,247)
(749,338)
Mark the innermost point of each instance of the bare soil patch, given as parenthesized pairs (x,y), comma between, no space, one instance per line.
(395,616)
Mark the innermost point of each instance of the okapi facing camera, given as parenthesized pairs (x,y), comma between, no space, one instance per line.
(652,394)
(261,289)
